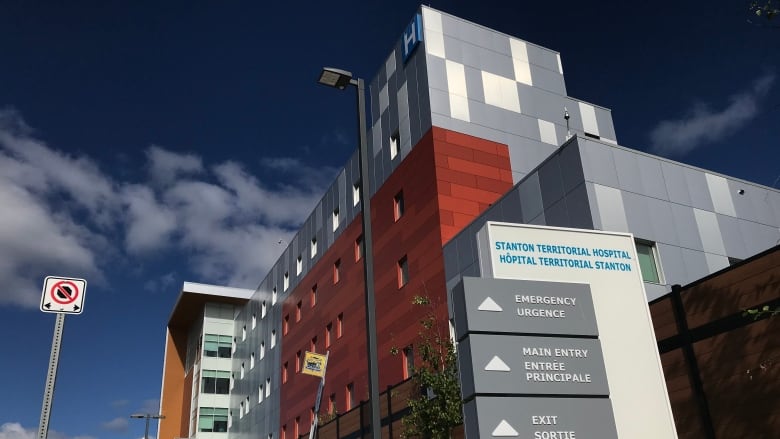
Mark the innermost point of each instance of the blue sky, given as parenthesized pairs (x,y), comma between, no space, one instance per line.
(143,144)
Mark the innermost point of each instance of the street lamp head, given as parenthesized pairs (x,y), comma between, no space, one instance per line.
(137,416)
(336,78)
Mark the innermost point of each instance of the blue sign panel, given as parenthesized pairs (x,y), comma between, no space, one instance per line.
(411,37)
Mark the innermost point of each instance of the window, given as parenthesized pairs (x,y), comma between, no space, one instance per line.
(348,392)
(215,381)
(252,361)
(243,333)
(284,431)
(284,373)
(217,346)
(313,247)
(394,145)
(254,320)
(297,427)
(286,324)
(313,296)
(328,332)
(267,387)
(212,419)
(299,265)
(313,344)
(263,310)
(230,420)
(339,325)
(273,338)
(332,403)
(335,219)
(398,205)
(403,272)
(408,361)
(273,297)
(242,371)
(647,261)
(286,280)
(336,267)
(311,416)
(260,394)
(241,410)
(297,361)
(232,380)
(356,193)
(233,346)
(358,248)
(298,311)
(262,350)
(246,404)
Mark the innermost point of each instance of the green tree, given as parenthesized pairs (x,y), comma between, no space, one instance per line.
(438,408)
(768,9)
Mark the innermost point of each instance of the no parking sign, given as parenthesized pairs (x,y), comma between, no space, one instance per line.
(63,295)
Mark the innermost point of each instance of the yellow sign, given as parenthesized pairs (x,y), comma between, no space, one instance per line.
(314,364)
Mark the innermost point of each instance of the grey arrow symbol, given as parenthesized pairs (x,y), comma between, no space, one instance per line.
(47,305)
(75,308)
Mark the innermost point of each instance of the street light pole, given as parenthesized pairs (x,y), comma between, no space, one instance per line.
(147,416)
(340,79)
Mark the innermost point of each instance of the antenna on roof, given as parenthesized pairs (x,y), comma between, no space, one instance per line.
(566,116)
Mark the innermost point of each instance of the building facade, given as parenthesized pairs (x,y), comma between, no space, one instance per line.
(466,125)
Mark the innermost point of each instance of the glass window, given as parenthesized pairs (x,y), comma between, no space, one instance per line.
(336,271)
(647,261)
(355,193)
(286,280)
(215,381)
(403,272)
(217,345)
(335,219)
(299,265)
(313,296)
(213,419)
(408,360)
(313,247)
(398,205)
(395,141)
(358,248)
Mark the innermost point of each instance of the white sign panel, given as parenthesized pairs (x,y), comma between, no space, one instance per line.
(608,263)
(63,295)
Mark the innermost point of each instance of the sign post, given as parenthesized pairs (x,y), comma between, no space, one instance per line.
(315,364)
(61,295)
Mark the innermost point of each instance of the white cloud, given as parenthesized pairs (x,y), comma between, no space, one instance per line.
(702,124)
(166,166)
(63,215)
(14,430)
(117,425)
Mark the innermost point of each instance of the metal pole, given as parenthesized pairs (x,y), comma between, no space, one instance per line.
(368,264)
(51,377)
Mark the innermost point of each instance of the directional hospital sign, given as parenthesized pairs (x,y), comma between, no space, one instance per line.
(63,295)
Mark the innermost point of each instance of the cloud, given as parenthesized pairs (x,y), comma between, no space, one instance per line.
(117,425)
(119,403)
(64,215)
(166,166)
(702,124)
(160,284)
(14,430)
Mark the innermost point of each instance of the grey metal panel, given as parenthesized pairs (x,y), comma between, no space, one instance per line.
(676,185)
(571,166)
(557,214)
(696,183)
(662,221)
(440,102)
(654,291)
(597,163)
(484,114)
(500,44)
(732,237)
(605,124)
(511,208)
(745,206)
(474,84)
(627,170)
(575,120)
(695,265)
(672,264)
(497,63)
(716,262)
(547,80)
(520,124)
(710,234)
(542,57)
(638,215)
(373,104)
(530,197)
(539,220)
(450,255)
(467,251)
(437,74)
(551,181)
(758,237)
(611,210)
(578,207)
(526,154)
(471,55)
(652,177)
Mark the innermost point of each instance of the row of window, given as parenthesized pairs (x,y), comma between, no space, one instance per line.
(313,344)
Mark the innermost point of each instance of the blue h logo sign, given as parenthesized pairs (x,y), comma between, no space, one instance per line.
(411,37)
